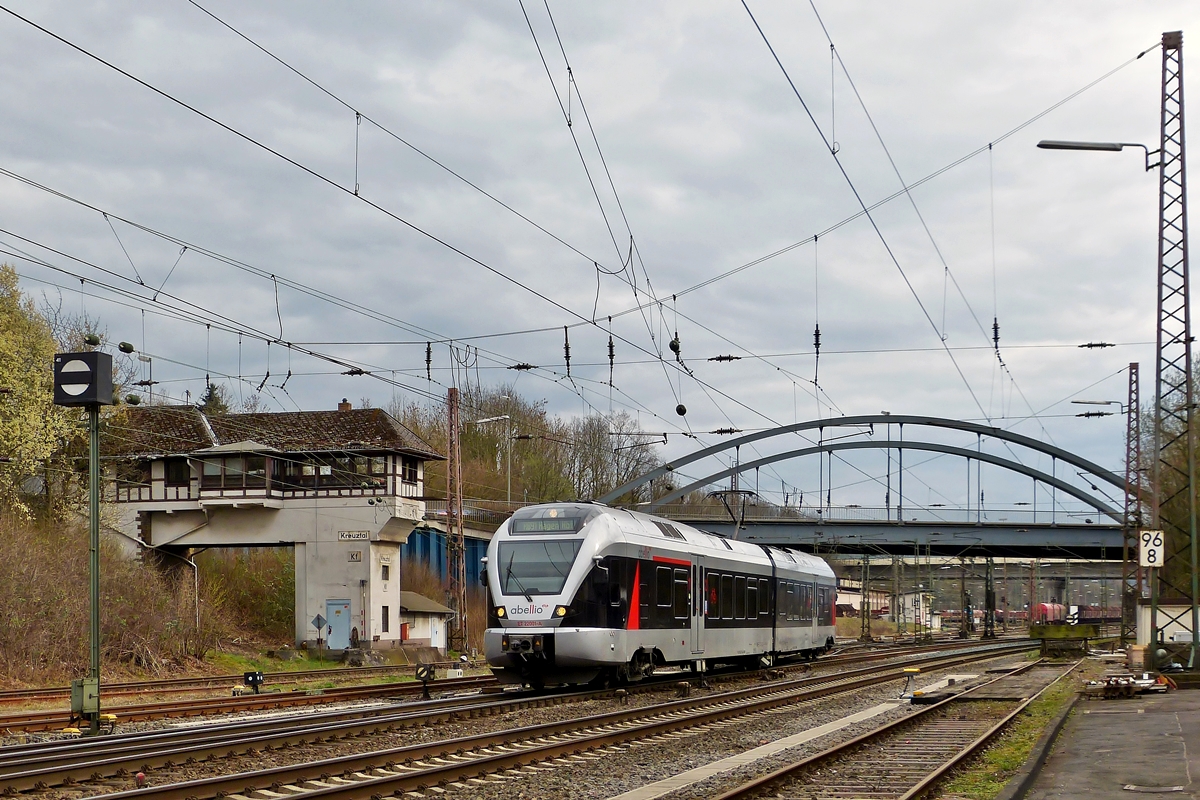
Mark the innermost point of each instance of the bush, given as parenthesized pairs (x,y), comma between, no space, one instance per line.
(147,622)
(254,585)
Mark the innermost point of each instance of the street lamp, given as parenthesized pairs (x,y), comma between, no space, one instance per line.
(1124,409)
(1057,144)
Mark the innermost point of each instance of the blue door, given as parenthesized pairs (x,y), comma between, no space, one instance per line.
(337,632)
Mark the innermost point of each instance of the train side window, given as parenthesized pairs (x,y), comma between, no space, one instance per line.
(795,611)
(726,597)
(662,585)
(806,598)
(681,594)
(789,600)
(764,596)
(711,606)
(752,599)
(739,597)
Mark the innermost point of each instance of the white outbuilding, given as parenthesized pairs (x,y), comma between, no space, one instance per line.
(423,621)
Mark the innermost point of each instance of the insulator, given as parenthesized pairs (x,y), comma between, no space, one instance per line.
(567,349)
(522,367)
(817,339)
(428,361)
(726,358)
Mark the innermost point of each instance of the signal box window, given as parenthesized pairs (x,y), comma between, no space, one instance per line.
(408,470)
(178,472)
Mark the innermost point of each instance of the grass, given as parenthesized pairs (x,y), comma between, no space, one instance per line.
(234,663)
(984,776)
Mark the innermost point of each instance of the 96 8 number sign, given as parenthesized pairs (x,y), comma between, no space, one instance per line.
(1150,553)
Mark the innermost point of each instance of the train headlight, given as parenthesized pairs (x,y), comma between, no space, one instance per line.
(500,612)
(560,611)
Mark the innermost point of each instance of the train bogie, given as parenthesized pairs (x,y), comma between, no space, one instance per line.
(581,592)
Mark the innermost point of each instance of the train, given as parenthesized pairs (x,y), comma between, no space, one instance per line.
(583,593)
(1057,613)
(1043,614)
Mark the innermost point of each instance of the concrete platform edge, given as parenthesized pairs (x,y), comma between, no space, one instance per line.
(1023,781)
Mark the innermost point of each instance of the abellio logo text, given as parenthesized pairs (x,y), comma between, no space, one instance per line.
(531,610)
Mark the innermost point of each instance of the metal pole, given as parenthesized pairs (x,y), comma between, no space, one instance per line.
(455,546)
(864,605)
(1004,595)
(964,631)
(989,600)
(94,551)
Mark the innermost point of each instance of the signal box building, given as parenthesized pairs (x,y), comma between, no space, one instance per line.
(343,488)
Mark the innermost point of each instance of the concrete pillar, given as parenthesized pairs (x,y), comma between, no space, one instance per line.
(304,614)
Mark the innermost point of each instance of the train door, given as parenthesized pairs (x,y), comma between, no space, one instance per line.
(698,605)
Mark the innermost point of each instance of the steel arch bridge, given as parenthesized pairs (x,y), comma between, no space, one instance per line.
(814,530)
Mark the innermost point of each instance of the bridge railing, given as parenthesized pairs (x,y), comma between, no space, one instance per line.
(854,513)
(494,512)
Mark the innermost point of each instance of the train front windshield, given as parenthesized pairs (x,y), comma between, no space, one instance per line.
(529,568)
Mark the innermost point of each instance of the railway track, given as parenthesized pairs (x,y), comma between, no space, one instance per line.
(56,719)
(905,759)
(467,759)
(200,683)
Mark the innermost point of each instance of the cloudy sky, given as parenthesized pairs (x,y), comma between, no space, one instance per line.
(484,219)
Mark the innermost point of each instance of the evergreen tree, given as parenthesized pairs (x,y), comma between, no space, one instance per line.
(214,401)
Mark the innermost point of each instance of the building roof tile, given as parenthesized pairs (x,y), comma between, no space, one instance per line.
(150,431)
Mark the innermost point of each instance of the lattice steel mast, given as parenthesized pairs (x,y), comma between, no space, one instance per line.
(1131,572)
(1173,505)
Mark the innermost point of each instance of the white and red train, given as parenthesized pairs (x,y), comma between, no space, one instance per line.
(579,592)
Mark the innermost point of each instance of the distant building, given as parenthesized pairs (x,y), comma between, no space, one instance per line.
(423,621)
(344,488)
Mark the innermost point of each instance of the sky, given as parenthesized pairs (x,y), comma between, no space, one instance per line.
(350,182)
